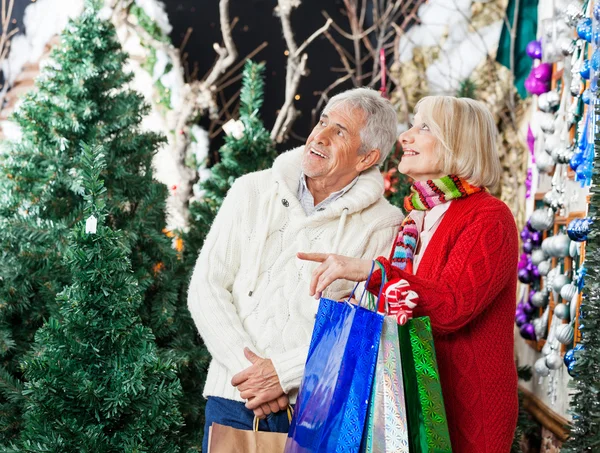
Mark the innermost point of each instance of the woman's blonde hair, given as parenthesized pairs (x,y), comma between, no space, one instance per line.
(466,132)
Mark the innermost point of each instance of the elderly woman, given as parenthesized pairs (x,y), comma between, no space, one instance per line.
(457,250)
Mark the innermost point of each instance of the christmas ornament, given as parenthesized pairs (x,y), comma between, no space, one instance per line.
(585,69)
(542,220)
(565,333)
(561,311)
(537,256)
(573,13)
(560,281)
(584,29)
(546,349)
(578,229)
(542,72)
(521,319)
(534,50)
(576,84)
(541,368)
(547,124)
(528,308)
(535,86)
(561,244)
(552,142)
(548,102)
(527,331)
(568,291)
(540,325)
(539,299)
(553,361)
(544,267)
(574,249)
(573,306)
(566,46)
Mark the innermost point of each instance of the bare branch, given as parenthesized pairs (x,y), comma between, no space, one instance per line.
(228,54)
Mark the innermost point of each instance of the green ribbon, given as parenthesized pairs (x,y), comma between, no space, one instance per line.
(427,422)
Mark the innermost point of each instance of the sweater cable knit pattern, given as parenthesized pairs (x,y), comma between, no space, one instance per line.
(466,281)
(248,288)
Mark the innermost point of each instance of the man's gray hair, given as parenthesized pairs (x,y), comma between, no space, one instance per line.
(380,128)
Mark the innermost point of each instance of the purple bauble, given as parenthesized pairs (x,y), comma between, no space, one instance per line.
(527,331)
(536,238)
(524,276)
(528,308)
(527,246)
(525,234)
(535,273)
(535,86)
(542,72)
(534,49)
(521,319)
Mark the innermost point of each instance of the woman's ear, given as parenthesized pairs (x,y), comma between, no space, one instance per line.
(368,160)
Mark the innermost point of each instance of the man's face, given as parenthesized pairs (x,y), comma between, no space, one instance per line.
(331,150)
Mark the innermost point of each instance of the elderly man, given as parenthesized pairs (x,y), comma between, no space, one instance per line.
(249,293)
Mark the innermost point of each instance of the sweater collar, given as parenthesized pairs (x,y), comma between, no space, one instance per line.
(367,190)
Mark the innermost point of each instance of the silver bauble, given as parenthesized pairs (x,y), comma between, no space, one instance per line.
(560,245)
(575,83)
(544,268)
(544,162)
(561,311)
(568,291)
(573,305)
(559,281)
(547,124)
(564,155)
(547,244)
(553,361)
(551,143)
(546,349)
(566,46)
(550,197)
(537,256)
(574,249)
(539,299)
(543,104)
(565,334)
(541,368)
(541,219)
(573,13)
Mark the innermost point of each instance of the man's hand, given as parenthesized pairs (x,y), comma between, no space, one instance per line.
(280,404)
(259,383)
(334,267)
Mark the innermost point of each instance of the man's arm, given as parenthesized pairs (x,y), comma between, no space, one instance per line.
(209,297)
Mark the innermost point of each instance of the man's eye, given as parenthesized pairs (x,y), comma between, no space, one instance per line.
(340,133)
(322,123)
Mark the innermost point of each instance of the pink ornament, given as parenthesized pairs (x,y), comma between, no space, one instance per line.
(535,86)
(542,72)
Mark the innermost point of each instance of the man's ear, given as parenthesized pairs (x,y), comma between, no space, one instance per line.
(367,160)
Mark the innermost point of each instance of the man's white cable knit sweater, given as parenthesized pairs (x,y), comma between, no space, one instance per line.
(248,288)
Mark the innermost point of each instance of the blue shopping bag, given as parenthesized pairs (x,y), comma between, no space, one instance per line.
(334,394)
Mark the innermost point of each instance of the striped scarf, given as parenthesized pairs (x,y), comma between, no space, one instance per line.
(424,196)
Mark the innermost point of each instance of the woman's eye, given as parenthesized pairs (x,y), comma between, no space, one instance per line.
(410,125)
(424,127)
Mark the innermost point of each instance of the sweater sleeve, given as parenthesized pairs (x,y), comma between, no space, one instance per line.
(479,266)
(289,365)
(210,299)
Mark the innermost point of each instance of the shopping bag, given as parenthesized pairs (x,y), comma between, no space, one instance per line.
(225,439)
(334,394)
(386,428)
(427,422)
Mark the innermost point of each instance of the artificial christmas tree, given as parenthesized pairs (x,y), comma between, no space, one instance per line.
(82,96)
(95,380)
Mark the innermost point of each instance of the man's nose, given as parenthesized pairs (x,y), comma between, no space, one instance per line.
(322,137)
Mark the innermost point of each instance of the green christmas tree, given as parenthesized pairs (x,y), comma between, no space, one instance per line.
(95,380)
(252,151)
(585,404)
(82,96)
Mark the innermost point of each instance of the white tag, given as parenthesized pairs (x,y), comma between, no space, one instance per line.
(234,128)
(91,224)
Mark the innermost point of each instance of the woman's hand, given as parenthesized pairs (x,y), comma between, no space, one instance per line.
(334,267)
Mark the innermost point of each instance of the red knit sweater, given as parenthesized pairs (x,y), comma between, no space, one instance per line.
(466,282)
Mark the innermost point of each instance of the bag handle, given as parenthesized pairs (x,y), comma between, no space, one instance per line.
(383,281)
(290,413)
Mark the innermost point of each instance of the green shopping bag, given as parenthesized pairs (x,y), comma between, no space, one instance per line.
(427,422)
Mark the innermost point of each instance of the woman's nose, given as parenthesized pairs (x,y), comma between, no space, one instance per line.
(406,137)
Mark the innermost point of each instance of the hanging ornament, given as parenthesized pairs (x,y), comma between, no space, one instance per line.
(576,84)
(559,281)
(527,331)
(573,13)
(547,124)
(542,219)
(544,267)
(541,368)
(566,46)
(560,245)
(584,29)
(534,50)
(539,299)
(585,70)
(548,102)
(561,311)
(578,229)
(553,361)
(537,256)
(565,334)
(568,291)
(544,162)
(552,142)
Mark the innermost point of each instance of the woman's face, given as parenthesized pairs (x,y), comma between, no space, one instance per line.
(419,156)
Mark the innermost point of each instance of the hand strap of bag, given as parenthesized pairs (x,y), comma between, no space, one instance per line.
(383,281)
(290,413)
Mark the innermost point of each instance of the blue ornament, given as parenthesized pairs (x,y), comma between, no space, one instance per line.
(578,229)
(584,29)
(585,96)
(597,11)
(583,174)
(576,160)
(581,278)
(571,369)
(569,357)
(585,69)
(595,60)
